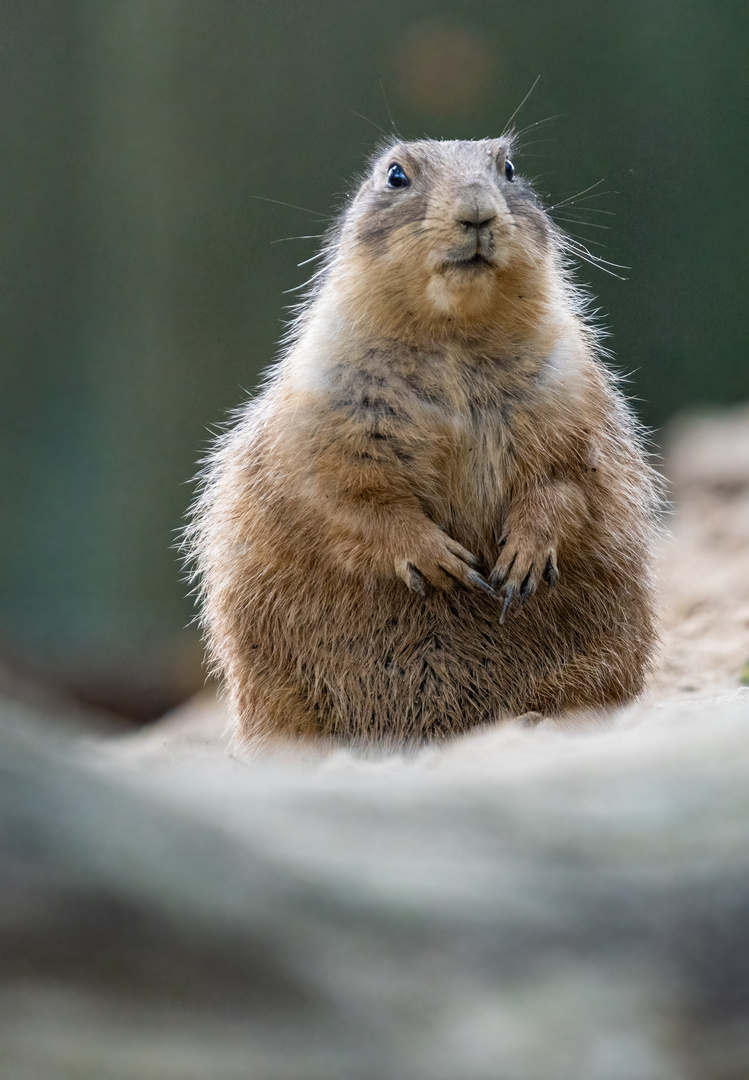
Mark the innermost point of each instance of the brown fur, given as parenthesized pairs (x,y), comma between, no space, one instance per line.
(433,432)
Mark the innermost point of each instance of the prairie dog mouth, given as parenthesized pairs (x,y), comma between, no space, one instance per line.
(472,262)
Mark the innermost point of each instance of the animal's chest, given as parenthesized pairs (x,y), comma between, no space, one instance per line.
(479,420)
(473,457)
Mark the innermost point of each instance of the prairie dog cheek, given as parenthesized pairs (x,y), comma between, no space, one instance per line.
(507,242)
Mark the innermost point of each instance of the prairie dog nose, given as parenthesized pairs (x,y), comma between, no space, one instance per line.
(475,206)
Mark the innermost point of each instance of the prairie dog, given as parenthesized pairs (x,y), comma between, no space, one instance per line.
(438,513)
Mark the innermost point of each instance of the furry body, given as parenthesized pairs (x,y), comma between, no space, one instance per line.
(437,514)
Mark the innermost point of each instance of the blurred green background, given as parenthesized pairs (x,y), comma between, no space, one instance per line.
(142,277)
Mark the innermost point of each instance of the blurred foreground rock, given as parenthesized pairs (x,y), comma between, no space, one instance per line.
(568,902)
(524,905)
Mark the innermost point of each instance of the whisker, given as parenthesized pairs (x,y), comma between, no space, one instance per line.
(579,221)
(307,283)
(595,243)
(321,255)
(535,84)
(567,241)
(578,194)
(291,206)
(387,110)
(591,262)
(374,125)
(534,142)
(593,209)
(285,239)
(546,120)
(581,252)
(600,259)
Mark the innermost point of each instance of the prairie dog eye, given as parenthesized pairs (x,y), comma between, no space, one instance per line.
(397,177)
(509,169)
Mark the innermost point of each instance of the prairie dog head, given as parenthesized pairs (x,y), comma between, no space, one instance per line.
(446,230)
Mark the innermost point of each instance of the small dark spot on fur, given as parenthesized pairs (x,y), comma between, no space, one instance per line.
(374,407)
(380,407)
(417,387)
(403,456)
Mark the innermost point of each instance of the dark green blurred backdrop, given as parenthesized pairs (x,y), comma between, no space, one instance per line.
(142,285)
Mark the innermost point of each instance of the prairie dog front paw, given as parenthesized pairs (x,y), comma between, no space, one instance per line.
(524,562)
(540,517)
(437,559)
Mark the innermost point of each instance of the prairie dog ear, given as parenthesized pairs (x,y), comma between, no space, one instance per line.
(503,146)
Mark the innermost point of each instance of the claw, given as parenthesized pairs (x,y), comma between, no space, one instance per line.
(478,582)
(414,580)
(527,587)
(509,597)
(551,573)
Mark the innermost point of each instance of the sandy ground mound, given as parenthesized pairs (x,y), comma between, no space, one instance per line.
(705,563)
